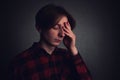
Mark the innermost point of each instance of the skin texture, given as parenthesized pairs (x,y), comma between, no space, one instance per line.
(55,35)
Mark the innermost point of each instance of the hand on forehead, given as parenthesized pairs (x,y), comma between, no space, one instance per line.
(64,25)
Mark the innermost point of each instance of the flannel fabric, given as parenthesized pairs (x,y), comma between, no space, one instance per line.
(36,64)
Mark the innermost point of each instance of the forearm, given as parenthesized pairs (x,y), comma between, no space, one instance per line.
(81,68)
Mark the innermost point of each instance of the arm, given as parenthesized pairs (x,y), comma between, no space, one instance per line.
(78,64)
(81,68)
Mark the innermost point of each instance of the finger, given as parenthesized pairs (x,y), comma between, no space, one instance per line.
(68,34)
(66,30)
(67,25)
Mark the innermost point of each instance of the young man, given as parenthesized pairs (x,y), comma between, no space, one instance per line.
(44,60)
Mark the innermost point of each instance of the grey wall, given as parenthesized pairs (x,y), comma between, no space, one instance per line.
(96,31)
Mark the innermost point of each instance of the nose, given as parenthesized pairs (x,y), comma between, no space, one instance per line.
(61,32)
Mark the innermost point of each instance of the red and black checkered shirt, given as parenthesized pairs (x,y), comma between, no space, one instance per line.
(36,64)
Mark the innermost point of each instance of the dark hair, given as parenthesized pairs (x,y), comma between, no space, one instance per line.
(50,14)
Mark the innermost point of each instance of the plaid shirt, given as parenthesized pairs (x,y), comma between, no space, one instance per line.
(36,64)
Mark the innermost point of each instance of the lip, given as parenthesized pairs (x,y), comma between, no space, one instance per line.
(57,40)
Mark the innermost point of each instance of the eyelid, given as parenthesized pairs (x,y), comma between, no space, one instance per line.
(59,25)
(56,26)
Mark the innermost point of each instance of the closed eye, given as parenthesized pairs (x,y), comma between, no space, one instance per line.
(57,26)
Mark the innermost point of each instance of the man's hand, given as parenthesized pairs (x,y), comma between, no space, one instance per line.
(70,39)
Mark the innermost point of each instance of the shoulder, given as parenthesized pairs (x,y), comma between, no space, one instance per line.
(22,58)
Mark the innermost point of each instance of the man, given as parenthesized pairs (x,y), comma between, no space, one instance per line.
(44,60)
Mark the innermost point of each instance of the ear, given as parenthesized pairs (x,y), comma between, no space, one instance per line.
(38,28)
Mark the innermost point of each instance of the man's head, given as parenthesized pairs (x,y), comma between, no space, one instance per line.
(50,21)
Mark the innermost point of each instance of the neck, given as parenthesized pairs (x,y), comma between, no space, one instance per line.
(48,48)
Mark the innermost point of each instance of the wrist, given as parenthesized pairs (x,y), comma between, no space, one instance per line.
(74,50)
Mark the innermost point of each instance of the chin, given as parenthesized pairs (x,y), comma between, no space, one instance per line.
(56,44)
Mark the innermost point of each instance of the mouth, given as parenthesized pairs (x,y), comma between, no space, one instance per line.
(58,40)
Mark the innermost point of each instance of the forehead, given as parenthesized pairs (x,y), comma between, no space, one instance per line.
(62,20)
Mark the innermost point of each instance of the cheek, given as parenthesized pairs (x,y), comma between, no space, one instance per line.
(52,34)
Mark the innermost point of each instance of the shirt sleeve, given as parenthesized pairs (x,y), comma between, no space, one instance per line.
(80,68)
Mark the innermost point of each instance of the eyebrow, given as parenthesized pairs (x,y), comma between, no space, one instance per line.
(60,24)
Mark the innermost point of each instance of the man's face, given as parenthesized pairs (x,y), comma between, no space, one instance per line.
(55,34)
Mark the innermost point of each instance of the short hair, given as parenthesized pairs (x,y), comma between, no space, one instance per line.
(49,15)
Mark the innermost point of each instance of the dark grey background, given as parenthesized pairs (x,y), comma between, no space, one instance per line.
(97,32)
